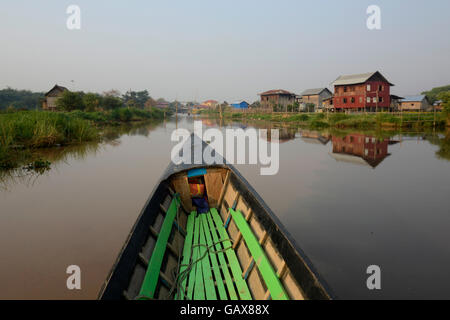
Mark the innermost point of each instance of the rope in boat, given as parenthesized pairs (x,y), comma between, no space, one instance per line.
(181,276)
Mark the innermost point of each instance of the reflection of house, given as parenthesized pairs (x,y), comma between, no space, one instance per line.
(362,92)
(316,137)
(315,97)
(51,97)
(360,149)
(284,134)
(272,98)
(414,103)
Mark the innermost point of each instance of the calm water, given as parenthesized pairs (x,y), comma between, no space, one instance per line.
(350,200)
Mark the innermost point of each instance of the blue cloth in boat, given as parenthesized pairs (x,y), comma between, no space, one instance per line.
(201,204)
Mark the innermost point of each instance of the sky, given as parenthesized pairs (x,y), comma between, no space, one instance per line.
(223,50)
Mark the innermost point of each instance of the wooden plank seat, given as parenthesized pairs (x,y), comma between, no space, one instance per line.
(275,288)
(210,269)
(152,274)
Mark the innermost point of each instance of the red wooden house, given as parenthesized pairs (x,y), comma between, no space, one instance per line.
(362,92)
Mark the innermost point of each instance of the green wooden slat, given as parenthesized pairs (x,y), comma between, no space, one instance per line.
(222,260)
(241,285)
(265,268)
(187,252)
(151,276)
(208,280)
(192,274)
(213,257)
(199,289)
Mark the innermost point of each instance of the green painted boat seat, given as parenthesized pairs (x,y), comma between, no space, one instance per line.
(269,275)
(210,269)
(150,282)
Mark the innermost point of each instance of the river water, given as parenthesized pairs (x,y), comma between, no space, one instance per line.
(349,199)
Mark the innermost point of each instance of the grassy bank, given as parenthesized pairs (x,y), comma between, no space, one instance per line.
(23,132)
(118,116)
(341,120)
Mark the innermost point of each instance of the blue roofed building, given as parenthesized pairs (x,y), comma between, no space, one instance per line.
(240,105)
(414,103)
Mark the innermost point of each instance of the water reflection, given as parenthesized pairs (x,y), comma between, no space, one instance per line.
(110,137)
(360,149)
(443,141)
(316,137)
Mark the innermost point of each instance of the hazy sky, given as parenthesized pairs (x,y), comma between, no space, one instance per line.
(223,50)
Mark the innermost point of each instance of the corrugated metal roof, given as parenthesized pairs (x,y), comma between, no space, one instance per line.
(312,92)
(413,98)
(279,91)
(353,78)
(356,78)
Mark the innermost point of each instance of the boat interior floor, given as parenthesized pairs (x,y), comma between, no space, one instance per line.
(207,267)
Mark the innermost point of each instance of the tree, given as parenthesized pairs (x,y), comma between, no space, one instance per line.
(434,93)
(20,99)
(445,97)
(91,101)
(150,103)
(112,93)
(138,98)
(110,102)
(70,101)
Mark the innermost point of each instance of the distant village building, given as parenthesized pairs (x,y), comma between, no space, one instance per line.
(162,105)
(395,102)
(200,107)
(414,103)
(362,92)
(315,97)
(272,98)
(328,104)
(51,97)
(437,105)
(211,103)
(240,105)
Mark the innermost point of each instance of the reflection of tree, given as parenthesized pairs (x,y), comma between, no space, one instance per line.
(9,178)
(443,143)
(28,176)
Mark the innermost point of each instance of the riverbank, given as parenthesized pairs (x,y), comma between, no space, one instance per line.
(23,132)
(343,121)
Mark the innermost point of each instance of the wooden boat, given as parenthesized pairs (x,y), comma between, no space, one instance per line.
(236,250)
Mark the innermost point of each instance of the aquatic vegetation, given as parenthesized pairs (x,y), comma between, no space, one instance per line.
(23,131)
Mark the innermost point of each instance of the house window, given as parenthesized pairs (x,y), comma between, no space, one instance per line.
(380,99)
(368,87)
(353,100)
(368,99)
(366,152)
(360,99)
(380,88)
(345,89)
(345,100)
(374,99)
